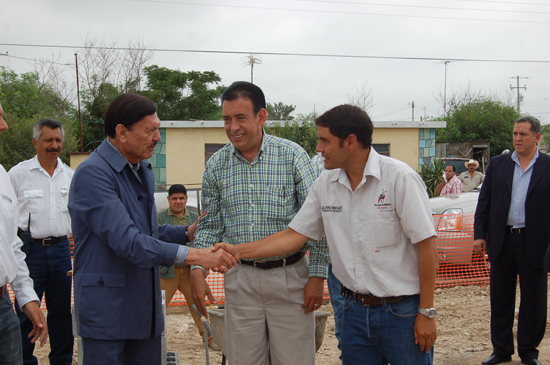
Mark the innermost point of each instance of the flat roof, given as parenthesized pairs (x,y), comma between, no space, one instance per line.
(377,124)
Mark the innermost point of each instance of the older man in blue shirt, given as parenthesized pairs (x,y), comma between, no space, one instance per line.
(511,222)
(119,244)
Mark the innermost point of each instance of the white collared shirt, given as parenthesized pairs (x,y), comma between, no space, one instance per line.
(371,231)
(13,268)
(45,197)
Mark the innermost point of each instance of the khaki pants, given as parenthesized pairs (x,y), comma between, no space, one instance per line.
(182,282)
(263,312)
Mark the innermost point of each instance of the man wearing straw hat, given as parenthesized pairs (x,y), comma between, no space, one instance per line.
(471,178)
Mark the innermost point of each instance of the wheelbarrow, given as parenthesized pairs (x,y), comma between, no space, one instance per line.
(217,323)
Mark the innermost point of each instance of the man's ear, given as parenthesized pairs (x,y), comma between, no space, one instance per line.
(352,141)
(120,131)
(35,143)
(262,116)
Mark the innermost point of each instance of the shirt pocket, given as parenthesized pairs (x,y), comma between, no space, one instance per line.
(64,193)
(34,200)
(385,235)
(280,204)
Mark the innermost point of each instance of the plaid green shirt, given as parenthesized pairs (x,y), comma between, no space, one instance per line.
(248,201)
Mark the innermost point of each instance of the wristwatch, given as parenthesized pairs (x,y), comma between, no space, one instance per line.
(430,312)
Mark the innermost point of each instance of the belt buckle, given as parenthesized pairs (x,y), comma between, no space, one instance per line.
(363,296)
(259,262)
(44,241)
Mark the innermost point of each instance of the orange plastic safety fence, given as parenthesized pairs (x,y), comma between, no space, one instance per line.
(458,263)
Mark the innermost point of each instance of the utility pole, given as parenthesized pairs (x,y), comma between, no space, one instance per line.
(251,60)
(518,87)
(413,110)
(78,94)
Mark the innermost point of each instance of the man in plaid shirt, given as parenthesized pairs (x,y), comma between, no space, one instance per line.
(252,188)
(451,184)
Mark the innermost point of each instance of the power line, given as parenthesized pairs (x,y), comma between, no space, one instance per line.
(424,6)
(34,60)
(502,2)
(281,53)
(340,12)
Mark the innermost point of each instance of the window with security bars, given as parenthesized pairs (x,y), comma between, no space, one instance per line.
(382,148)
(210,149)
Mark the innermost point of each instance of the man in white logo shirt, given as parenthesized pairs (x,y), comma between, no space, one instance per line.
(42,187)
(13,270)
(376,215)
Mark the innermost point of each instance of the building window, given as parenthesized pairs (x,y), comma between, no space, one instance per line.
(382,148)
(209,150)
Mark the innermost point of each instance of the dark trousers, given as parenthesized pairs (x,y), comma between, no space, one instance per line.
(533,301)
(122,352)
(48,266)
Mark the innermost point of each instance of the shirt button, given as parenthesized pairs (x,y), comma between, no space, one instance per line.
(251,224)
(250,186)
(101,283)
(252,205)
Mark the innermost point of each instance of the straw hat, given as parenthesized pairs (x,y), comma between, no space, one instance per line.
(472,162)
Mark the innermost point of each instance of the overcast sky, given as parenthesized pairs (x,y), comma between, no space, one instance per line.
(396,46)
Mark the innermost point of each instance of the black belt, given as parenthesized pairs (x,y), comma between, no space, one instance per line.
(3,291)
(370,300)
(262,264)
(48,240)
(516,230)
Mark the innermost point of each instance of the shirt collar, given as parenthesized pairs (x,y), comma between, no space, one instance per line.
(372,168)
(133,167)
(515,158)
(185,213)
(35,164)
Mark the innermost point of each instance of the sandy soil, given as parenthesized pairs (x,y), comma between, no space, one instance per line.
(462,320)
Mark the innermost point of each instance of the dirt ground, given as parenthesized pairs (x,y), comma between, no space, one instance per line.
(462,322)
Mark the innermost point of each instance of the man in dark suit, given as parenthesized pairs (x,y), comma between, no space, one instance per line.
(511,222)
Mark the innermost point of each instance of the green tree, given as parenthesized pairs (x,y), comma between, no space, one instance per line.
(26,100)
(480,119)
(280,111)
(24,96)
(184,95)
(302,130)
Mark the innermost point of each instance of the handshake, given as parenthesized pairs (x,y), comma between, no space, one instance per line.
(219,258)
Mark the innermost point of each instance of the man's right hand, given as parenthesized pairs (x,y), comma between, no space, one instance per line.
(200,289)
(209,257)
(479,246)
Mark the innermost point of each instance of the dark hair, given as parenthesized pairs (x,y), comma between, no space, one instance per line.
(243,89)
(176,189)
(47,122)
(453,166)
(344,120)
(127,109)
(535,123)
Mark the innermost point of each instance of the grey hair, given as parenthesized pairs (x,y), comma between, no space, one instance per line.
(51,123)
(535,123)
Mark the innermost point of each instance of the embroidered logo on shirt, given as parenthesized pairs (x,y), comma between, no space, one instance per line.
(7,198)
(331,209)
(380,205)
(382,196)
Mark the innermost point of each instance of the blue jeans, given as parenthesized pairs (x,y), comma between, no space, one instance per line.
(10,335)
(337,301)
(382,334)
(48,266)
